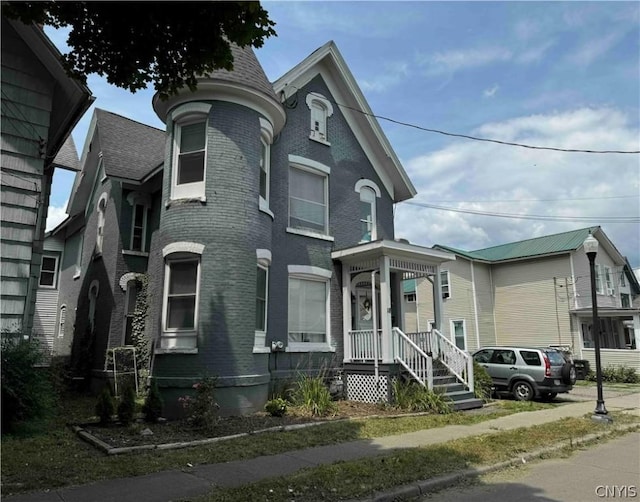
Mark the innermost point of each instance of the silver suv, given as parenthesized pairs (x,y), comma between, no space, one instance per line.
(527,372)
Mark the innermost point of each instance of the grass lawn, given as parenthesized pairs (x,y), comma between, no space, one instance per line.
(361,478)
(56,457)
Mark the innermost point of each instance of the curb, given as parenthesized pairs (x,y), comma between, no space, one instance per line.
(427,486)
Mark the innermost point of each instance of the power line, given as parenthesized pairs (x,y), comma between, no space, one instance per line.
(539,200)
(476,138)
(602,219)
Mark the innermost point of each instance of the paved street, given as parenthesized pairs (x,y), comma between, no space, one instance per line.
(610,470)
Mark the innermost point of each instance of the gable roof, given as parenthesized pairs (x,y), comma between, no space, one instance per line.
(546,245)
(330,65)
(67,157)
(130,150)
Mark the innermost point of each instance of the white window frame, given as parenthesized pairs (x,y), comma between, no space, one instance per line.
(179,252)
(445,284)
(599,279)
(101,208)
(264,263)
(410,297)
(62,318)
(608,279)
(623,283)
(365,186)
(310,273)
(266,139)
(56,263)
(318,169)
(452,331)
(183,115)
(320,110)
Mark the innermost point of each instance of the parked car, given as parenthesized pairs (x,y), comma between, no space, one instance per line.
(527,372)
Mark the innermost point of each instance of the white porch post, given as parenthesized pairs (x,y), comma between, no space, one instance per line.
(385,310)
(397,286)
(346,312)
(636,330)
(437,301)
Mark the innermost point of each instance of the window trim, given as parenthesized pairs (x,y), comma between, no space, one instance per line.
(266,139)
(608,280)
(373,234)
(188,114)
(311,273)
(101,208)
(178,252)
(316,101)
(56,262)
(62,319)
(599,279)
(318,169)
(447,285)
(453,332)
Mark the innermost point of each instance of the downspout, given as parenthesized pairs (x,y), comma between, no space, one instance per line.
(374,315)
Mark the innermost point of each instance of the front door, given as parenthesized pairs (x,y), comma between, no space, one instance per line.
(364,309)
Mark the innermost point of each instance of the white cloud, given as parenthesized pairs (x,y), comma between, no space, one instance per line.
(491,92)
(511,180)
(55,216)
(393,74)
(444,62)
(595,49)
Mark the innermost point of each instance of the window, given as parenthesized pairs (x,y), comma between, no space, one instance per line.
(140,203)
(308,307)
(626,302)
(531,358)
(308,200)
(48,272)
(189,150)
(458,334)
(608,280)
(321,110)
(483,356)
(61,321)
(622,279)
(444,284)
(181,295)
(501,356)
(130,307)
(599,286)
(101,207)
(367,215)
(266,137)
(261,298)
(410,297)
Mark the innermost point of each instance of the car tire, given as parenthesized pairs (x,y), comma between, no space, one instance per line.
(522,391)
(569,375)
(549,396)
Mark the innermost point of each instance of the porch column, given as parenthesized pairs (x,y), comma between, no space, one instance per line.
(346,312)
(385,311)
(399,297)
(437,301)
(636,329)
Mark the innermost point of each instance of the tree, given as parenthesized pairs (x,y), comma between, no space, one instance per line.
(136,43)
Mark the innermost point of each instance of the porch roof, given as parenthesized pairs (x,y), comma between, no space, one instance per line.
(398,250)
(606,312)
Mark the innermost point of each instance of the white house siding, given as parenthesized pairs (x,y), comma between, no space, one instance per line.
(410,316)
(27,90)
(583,279)
(612,357)
(484,303)
(526,311)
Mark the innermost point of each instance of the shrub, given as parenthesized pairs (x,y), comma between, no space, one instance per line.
(27,393)
(412,396)
(482,383)
(105,407)
(616,374)
(127,406)
(276,407)
(202,408)
(313,395)
(153,403)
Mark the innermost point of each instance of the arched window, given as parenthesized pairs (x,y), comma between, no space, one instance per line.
(62,317)
(368,191)
(100,208)
(321,110)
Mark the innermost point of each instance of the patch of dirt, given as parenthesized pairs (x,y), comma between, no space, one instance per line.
(137,434)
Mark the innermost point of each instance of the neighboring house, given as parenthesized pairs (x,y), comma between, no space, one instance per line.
(40,107)
(537,292)
(262,220)
(410,306)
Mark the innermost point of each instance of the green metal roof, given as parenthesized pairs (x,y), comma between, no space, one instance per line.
(409,286)
(539,246)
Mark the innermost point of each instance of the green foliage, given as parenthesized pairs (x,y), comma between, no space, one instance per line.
(27,393)
(276,407)
(616,374)
(412,396)
(482,383)
(313,395)
(153,403)
(127,405)
(202,408)
(140,341)
(105,407)
(169,45)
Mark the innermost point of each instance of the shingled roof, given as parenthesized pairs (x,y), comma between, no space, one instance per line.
(130,150)
(67,156)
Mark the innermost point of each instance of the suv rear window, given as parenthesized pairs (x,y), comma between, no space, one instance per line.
(531,358)
(555,358)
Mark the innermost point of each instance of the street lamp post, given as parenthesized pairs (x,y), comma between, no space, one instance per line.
(591,249)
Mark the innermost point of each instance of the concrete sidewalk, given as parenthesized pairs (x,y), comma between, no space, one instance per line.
(184,484)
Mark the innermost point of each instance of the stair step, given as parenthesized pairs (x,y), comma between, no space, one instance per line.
(467,404)
(447,388)
(460,395)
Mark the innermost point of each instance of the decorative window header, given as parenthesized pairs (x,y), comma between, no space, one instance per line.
(360,184)
(182,247)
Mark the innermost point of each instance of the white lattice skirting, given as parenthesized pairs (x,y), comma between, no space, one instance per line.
(363,388)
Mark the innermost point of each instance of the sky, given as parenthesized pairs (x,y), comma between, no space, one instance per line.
(562,75)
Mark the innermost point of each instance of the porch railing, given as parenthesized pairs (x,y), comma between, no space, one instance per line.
(457,361)
(412,356)
(363,346)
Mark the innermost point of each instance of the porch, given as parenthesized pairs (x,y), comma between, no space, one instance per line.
(376,349)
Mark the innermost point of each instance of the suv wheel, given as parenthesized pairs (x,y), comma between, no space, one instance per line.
(569,374)
(549,396)
(522,391)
